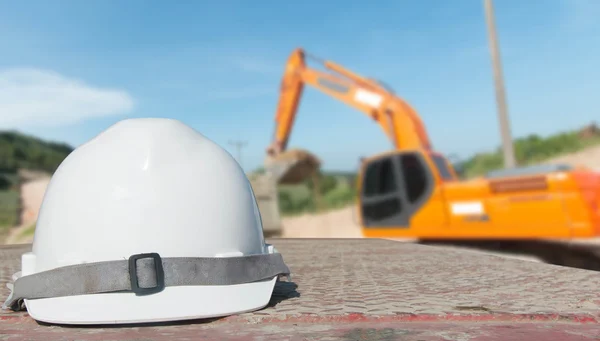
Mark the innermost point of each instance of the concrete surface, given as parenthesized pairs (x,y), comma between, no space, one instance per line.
(372,289)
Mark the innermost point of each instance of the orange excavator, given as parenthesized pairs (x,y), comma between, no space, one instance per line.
(414,192)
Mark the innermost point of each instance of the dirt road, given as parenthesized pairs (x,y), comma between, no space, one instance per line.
(32,193)
(589,157)
(334,224)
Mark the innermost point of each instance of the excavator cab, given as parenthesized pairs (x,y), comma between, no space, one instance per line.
(394,187)
(401,189)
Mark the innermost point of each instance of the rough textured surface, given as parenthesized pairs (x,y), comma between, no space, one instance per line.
(369,289)
(357,331)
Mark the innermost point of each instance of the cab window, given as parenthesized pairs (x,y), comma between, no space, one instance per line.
(380,178)
(442,167)
(414,175)
(379,182)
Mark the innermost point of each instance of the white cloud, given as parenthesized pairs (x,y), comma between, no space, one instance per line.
(31,97)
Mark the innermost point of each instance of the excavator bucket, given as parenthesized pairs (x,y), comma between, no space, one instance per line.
(293,166)
(290,167)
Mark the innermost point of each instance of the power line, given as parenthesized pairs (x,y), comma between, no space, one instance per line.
(503,120)
(238,146)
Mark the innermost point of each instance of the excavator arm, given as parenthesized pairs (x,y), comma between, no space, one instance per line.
(398,119)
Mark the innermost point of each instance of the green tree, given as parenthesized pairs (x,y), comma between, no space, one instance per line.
(22,151)
(528,150)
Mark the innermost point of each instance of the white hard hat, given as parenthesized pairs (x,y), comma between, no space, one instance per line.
(149,221)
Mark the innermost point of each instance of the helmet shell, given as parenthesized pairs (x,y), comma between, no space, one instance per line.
(147,185)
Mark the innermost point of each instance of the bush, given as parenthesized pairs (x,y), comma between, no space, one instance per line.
(528,150)
(300,199)
(340,197)
(290,204)
(9,208)
(326,183)
(21,151)
(5,184)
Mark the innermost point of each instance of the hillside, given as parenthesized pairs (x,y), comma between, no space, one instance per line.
(18,152)
(533,149)
(21,151)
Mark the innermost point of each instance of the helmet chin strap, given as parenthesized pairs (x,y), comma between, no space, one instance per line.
(144,274)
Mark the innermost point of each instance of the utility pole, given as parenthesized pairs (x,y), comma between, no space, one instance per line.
(238,146)
(503,120)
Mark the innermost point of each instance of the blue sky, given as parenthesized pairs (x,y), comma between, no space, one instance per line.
(216,66)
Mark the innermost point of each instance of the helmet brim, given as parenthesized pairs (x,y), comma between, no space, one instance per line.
(172,304)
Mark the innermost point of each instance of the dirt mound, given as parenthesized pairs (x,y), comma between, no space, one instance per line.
(589,131)
(294,166)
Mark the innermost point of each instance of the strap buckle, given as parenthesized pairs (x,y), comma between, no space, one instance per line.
(159,272)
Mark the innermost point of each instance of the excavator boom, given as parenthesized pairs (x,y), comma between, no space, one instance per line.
(398,119)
